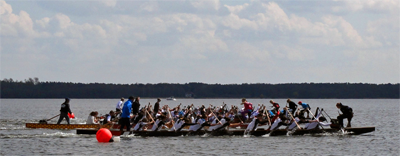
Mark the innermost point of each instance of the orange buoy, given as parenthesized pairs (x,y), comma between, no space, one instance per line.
(72,115)
(104,135)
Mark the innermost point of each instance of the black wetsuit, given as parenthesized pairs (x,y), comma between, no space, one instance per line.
(292,106)
(156,108)
(135,107)
(347,113)
(64,113)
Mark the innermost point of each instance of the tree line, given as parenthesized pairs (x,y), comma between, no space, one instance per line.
(33,88)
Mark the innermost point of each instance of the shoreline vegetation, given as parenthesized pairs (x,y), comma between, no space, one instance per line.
(33,88)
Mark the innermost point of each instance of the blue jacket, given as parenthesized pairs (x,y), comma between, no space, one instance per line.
(305,106)
(126,109)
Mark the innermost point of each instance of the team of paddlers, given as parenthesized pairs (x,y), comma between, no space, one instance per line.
(214,118)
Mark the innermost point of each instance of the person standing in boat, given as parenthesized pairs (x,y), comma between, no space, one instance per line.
(126,115)
(248,108)
(292,106)
(156,107)
(65,109)
(136,106)
(347,113)
(119,105)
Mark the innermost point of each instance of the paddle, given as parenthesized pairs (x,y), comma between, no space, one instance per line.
(214,115)
(170,116)
(293,119)
(45,121)
(267,113)
(317,120)
(53,117)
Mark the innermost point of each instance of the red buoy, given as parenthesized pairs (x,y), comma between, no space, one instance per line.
(103,135)
(72,115)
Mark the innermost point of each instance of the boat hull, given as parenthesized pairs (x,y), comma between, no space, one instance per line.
(239,132)
(60,126)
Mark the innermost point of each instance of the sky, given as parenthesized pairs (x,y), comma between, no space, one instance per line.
(207,41)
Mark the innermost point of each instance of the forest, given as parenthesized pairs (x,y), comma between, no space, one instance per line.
(33,88)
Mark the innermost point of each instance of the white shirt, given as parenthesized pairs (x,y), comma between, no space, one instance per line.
(275,124)
(251,125)
(196,126)
(90,120)
(141,125)
(119,105)
(177,125)
(155,125)
(211,128)
(294,123)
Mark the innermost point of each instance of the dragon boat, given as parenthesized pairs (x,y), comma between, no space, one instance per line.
(236,132)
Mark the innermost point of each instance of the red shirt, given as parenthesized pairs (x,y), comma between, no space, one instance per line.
(248,105)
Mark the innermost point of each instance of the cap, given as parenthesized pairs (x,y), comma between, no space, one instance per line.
(300,102)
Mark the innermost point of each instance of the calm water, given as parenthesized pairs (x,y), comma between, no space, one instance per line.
(15,139)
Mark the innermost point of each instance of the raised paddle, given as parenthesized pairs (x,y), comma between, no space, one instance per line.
(149,115)
(214,115)
(170,116)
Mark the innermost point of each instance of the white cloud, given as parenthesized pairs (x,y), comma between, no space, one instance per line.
(249,38)
(369,5)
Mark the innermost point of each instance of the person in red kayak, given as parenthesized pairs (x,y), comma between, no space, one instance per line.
(65,109)
(248,108)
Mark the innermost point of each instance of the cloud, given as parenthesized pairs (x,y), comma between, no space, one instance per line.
(254,38)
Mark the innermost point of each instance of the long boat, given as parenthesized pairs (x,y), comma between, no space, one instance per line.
(60,126)
(236,132)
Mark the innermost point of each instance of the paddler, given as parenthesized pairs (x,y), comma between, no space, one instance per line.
(160,122)
(142,125)
(198,123)
(347,113)
(109,118)
(65,109)
(258,120)
(319,120)
(306,108)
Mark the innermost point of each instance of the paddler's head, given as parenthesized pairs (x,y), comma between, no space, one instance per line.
(112,113)
(131,98)
(322,119)
(243,100)
(339,105)
(300,103)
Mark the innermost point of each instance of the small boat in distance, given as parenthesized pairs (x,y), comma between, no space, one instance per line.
(171,98)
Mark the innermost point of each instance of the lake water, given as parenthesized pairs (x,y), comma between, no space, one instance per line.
(15,139)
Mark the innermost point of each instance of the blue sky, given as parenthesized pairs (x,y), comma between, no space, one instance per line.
(210,41)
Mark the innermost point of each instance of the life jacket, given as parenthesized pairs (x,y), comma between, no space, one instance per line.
(105,119)
(276,105)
